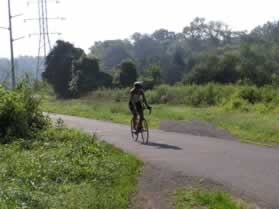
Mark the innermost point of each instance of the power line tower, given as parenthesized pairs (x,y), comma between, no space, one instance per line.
(44,35)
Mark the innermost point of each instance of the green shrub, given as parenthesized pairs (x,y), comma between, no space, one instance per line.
(236,103)
(269,94)
(20,114)
(250,94)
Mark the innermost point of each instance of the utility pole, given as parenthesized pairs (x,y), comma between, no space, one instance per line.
(10,29)
(11,47)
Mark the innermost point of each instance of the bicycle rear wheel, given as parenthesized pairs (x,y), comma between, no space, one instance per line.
(134,133)
(145,132)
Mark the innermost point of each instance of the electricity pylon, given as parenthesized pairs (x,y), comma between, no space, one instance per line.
(44,35)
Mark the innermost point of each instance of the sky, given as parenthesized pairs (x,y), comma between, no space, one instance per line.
(87,21)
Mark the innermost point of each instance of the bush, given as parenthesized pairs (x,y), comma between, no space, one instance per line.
(250,94)
(20,114)
(236,103)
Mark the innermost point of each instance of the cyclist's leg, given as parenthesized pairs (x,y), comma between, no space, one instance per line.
(140,112)
(135,117)
(134,113)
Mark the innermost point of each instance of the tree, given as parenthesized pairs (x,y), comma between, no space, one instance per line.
(59,63)
(163,35)
(146,50)
(86,76)
(154,72)
(268,32)
(111,53)
(152,76)
(227,69)
(128,74)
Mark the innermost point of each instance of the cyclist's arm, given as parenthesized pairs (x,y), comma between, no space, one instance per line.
(145,101)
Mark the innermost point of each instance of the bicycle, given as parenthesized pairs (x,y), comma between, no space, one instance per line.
(143,131)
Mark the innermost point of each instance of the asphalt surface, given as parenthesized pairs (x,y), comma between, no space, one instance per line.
(248,170)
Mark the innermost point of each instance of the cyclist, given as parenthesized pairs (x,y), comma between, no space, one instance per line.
(136,104)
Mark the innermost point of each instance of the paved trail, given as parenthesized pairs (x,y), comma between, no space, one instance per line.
(246,169)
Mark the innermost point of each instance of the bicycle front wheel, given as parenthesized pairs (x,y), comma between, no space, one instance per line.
(145,132)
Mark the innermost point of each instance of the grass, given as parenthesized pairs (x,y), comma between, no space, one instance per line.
(192,198)
(251,126)
(63,168)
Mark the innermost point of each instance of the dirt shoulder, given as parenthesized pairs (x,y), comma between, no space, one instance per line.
(157,186)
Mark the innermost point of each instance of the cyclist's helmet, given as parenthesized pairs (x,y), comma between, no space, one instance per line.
(138,84)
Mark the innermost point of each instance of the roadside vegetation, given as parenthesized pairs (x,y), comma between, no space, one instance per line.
(45,166)
(189,198)
(248,112)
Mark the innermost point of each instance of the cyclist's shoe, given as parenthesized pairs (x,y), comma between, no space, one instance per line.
(138,130)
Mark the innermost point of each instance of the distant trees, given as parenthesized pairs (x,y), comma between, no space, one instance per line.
(173,52)
(152,76)
(4,71)
(71,72)
(86,76)
(205,51)
(23,65)
(128,74)
(268,32)
(249,63)
(153,72)
(111,53)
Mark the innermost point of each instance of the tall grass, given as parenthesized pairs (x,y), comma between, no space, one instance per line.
(196,95)
(62,168)
(197,198)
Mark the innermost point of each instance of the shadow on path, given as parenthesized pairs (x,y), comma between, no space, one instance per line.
(163,146)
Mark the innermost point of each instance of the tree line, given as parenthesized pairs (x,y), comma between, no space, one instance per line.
(203,52)
(23,65)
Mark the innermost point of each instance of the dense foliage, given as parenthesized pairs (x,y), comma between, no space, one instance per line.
(203,52)
(71,72)
(128,74)
(20,114)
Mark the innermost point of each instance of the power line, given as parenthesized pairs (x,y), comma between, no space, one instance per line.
(44,45)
